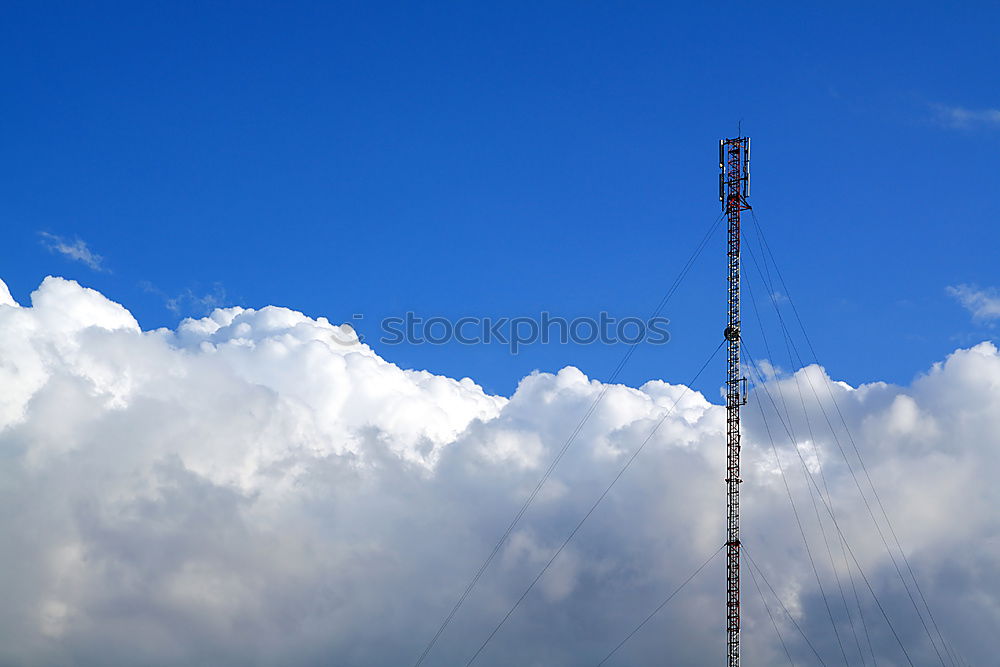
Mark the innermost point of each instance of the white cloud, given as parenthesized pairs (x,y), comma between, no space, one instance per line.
(75,249)
(962,117)
(984,304)
(244,490)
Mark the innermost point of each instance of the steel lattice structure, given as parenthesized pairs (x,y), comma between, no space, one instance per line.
(734,187)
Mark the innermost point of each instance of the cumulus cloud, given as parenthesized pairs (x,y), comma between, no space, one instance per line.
(247,489)
(984,304)
(75,249)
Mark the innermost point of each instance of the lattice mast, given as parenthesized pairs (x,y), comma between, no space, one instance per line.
(734,188)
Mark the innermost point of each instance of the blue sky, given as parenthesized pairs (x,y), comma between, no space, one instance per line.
(472,159)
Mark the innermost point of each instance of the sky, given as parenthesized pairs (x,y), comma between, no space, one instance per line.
(214,187)
(501,160)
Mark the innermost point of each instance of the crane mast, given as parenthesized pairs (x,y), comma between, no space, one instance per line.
(734,188)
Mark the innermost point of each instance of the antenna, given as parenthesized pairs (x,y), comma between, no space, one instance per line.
(734,162)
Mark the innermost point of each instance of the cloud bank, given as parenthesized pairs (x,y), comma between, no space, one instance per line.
(244,490)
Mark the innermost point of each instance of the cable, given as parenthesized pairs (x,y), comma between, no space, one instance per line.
(569,441)
(781,639)
(798,522)
(864,468)
(836,524)
(790,345)
(754,565)
(593,507)
(774,449)
(854,446)
(812,440)
(662,605)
